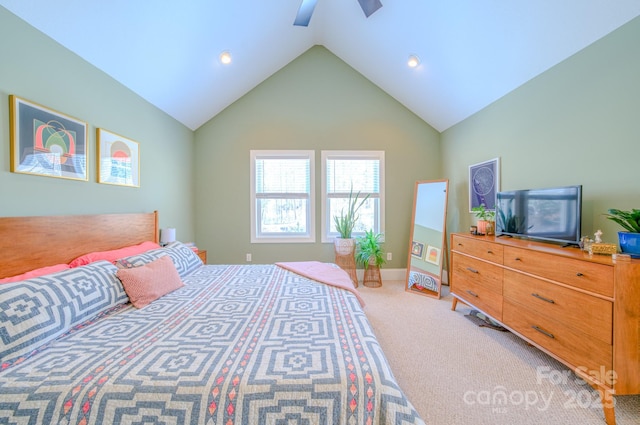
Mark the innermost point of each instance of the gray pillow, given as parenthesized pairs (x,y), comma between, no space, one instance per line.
(36,311)
(185,260)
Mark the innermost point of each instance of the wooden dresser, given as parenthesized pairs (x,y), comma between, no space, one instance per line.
(581,309)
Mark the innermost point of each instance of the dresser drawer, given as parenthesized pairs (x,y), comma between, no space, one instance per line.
(477,248)
(573,347)
(590,315)
(486,275)
(585,275)
(478,283)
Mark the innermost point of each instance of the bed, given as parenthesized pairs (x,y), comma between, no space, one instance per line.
(233,344)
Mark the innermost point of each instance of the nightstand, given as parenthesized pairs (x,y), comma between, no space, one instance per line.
(203,255)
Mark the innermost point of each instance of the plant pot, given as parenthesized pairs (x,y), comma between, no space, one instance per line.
(344,246)
(490,228)
(482,226)
(629,242)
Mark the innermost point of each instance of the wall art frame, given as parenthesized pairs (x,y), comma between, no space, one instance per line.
(417,249)
(45,142)
(484,184)
(118,159)
(433,255)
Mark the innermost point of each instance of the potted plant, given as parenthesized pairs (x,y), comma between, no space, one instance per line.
(486,219)
(370,252)
(629,239)
(371,256)
(346,221)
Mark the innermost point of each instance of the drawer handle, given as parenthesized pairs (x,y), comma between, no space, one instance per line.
(542,331)
(518,259)
(473,294)
(579,274)
(542,298)
(489,252)
(472,270)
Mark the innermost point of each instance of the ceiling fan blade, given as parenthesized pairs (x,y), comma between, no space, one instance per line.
(304,13)
(369,6)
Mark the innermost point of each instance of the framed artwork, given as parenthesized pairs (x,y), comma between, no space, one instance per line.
(484,184)
(433,255)
(45,142)
(118,159)
(417,249)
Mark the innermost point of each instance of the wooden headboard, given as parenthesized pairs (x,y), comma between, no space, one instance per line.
(27,243)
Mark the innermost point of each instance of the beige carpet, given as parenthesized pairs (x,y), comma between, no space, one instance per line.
(455,372)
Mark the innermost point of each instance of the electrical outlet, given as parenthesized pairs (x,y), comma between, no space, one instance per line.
(248,258)
(389,256)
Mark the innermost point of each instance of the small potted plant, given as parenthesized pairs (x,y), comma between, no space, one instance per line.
(371,256)
(346,221)
(629,239)
(370,251)
(486,219)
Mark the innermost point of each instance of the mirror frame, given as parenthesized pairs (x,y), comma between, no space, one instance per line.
(424,247)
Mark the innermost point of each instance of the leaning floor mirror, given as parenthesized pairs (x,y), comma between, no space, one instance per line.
(427,246)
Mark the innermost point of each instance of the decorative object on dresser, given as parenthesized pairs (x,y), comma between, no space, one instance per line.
(486,224)
(630,238)
(581,309)
(428,238)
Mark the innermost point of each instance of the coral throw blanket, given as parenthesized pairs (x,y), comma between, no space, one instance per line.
(323,272)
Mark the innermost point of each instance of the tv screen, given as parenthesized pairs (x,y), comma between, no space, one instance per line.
(552,214)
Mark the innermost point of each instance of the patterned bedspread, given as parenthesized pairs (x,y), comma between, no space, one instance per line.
(250,344)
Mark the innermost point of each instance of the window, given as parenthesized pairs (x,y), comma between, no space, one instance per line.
(362,171)
(282,196)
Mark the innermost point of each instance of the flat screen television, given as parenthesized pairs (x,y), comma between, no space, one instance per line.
(551,214)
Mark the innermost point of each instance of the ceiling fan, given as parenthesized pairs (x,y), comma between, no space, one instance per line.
(306,10)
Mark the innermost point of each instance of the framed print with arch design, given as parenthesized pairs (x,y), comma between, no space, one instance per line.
(484,184)
(45,142)
(118,159)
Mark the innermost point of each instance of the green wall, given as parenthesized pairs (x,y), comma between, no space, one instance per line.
(577,123)
(36,68)
(315,102)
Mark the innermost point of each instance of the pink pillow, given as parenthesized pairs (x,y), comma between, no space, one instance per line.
(113,255)
(35,273)
(147,283)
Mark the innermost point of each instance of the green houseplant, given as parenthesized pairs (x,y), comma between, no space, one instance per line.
(370,251)
(486,219)
(371,256)
(629,239)
(346,221)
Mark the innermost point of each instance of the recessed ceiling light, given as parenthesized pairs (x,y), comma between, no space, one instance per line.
(225,57)
(413,61)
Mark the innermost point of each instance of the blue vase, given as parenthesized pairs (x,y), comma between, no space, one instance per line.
(629,242)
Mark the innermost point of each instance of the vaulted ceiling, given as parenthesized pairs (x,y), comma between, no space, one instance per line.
(472,52)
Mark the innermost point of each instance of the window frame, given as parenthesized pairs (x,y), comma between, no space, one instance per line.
(327,236)
(310,236)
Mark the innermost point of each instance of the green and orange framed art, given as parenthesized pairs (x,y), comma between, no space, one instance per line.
(45,142)
(118,159)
